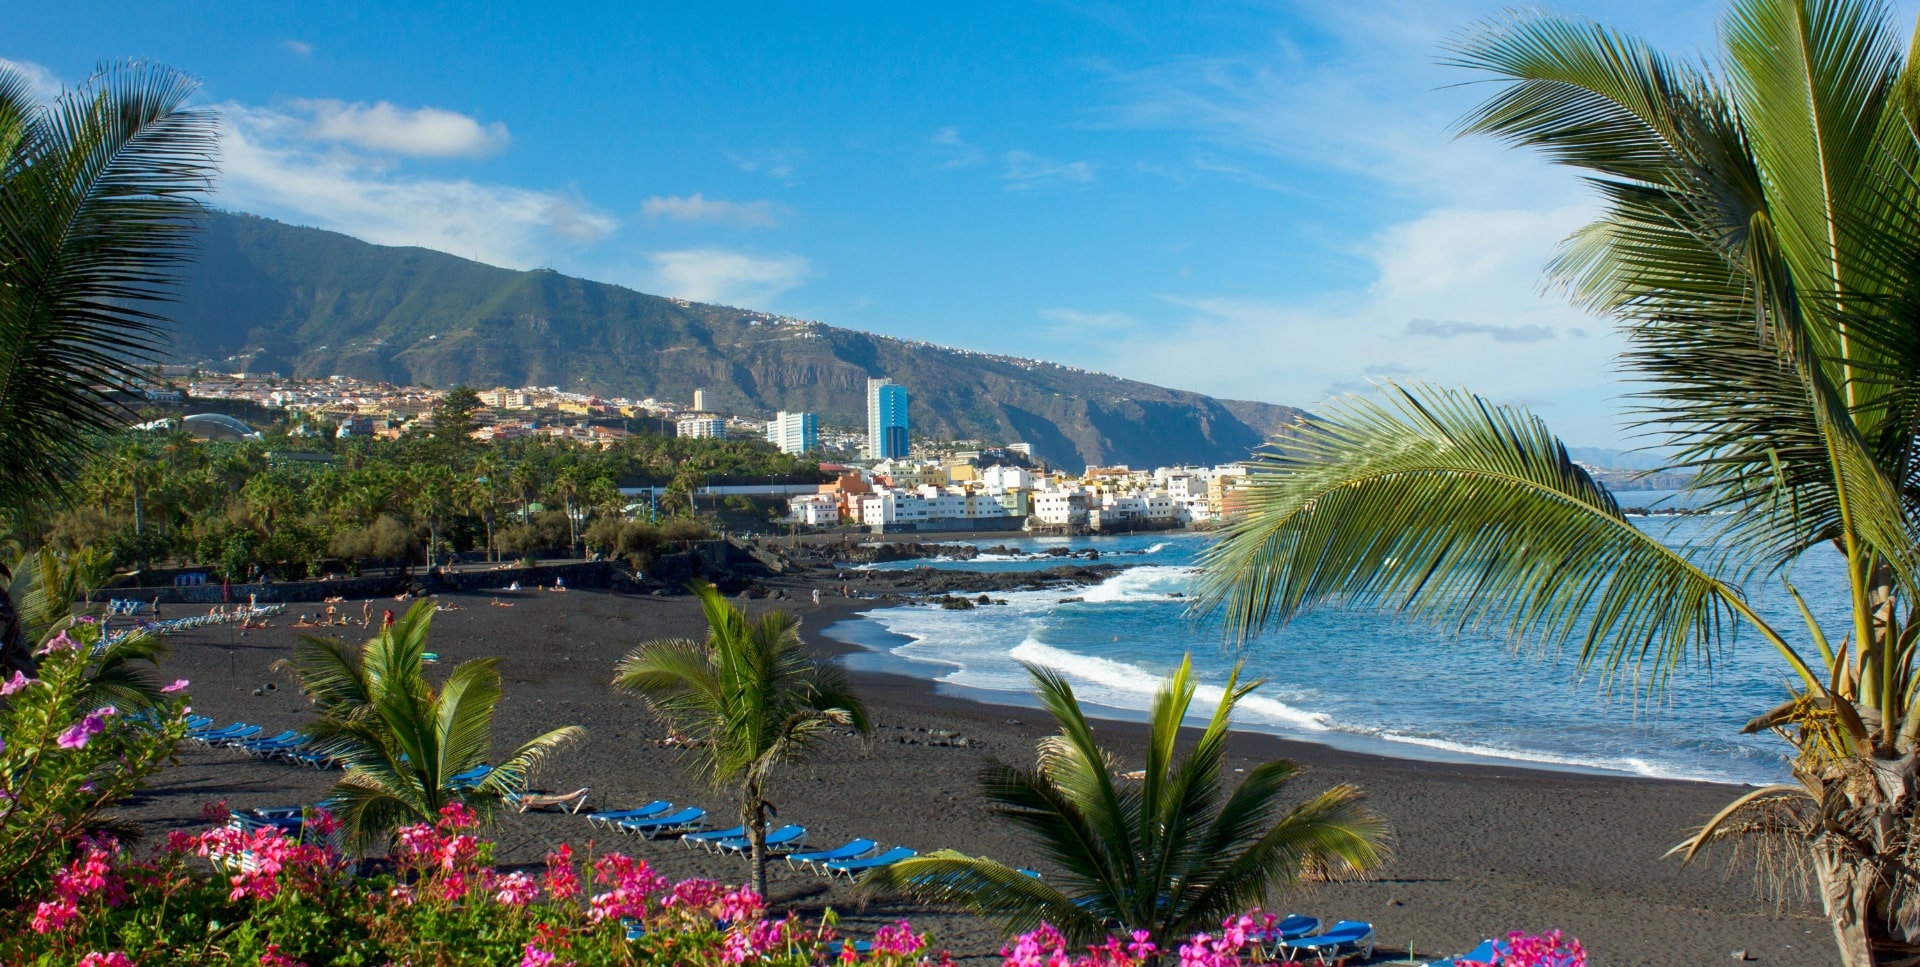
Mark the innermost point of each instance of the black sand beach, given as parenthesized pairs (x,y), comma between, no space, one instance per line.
(1481,850)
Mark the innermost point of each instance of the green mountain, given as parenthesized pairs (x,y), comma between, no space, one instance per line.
(269,297)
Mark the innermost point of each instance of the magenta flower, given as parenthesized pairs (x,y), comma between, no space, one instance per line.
(59,642)
(16,683)
(111,959)
(516,890)
(179,685)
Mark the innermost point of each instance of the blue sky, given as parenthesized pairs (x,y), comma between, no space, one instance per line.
(1260,201)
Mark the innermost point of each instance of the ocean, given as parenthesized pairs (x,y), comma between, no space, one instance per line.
(1363,680)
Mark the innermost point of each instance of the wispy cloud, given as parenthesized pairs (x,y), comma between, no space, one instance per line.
(272,165)
(1448,264)
(1025,170)
(423,132)
(1077,320)
(698,208)
(1438,329)
(956,151)
(298,48)
(46,86)
(777,163)
(726,277)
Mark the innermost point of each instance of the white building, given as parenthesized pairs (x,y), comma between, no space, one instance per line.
(701,426)
(1060,507)
(794,433)
(1008,478)
(814,510)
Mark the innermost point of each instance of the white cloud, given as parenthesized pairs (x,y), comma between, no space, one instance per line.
(725,277)
(1074,320)
(698,208)
(1026,170)
(1477,269)
(270,166)
(958,152)
(45,85)
(777,163)
(425,132)
(299,48)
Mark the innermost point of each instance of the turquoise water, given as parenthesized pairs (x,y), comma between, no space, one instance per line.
(1364,680)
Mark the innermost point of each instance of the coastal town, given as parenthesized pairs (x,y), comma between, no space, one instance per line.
(883,479)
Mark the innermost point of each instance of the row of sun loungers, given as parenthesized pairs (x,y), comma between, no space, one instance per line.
(289,745)
(661,818)
(1298,939)
(175,625)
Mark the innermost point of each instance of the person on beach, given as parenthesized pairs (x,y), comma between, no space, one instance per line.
(816,597)
(386,619)
(366,613)
(156,607)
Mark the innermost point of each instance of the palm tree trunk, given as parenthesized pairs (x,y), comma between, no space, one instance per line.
(16,652)
(1844,890)
(756,818)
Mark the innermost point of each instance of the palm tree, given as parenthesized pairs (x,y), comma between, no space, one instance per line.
(1171,854)
(748,697)
(402,739)
(45,587)
(1760,249)
(97,200)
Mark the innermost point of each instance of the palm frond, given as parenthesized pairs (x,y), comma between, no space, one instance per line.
(1448,508)
(1012,900)
(515,772)
(97,206)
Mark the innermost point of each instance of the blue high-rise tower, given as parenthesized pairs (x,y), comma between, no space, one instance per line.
(886,420)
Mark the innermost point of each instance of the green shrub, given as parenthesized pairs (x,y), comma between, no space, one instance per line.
(66,756)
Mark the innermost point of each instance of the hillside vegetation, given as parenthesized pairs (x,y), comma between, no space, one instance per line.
(306,302)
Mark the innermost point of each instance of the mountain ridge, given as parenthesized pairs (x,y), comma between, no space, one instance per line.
(310,302)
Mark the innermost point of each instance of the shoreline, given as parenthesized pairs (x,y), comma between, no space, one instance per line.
(1480,850)
(874,660)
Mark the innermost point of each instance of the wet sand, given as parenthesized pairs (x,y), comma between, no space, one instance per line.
(1481,849)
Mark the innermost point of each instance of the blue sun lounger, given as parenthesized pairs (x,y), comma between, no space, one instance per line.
(707,838)
(786,839)
(287,739)
(212,736)
(234,738)
(1348,938)
(1293,926)
(1482,954)
(854,849)
(853,868)
(684,821)
(468,779)
(648,811)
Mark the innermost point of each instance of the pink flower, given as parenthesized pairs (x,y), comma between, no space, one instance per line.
(322,822)
(535,957)
(898,939)
(52,915)
(274,958)
(112,959)
(179,685)
(84,730)
(456,815)
(516,890)
(741,904)
(561,881)
(16,683)
(59,642)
